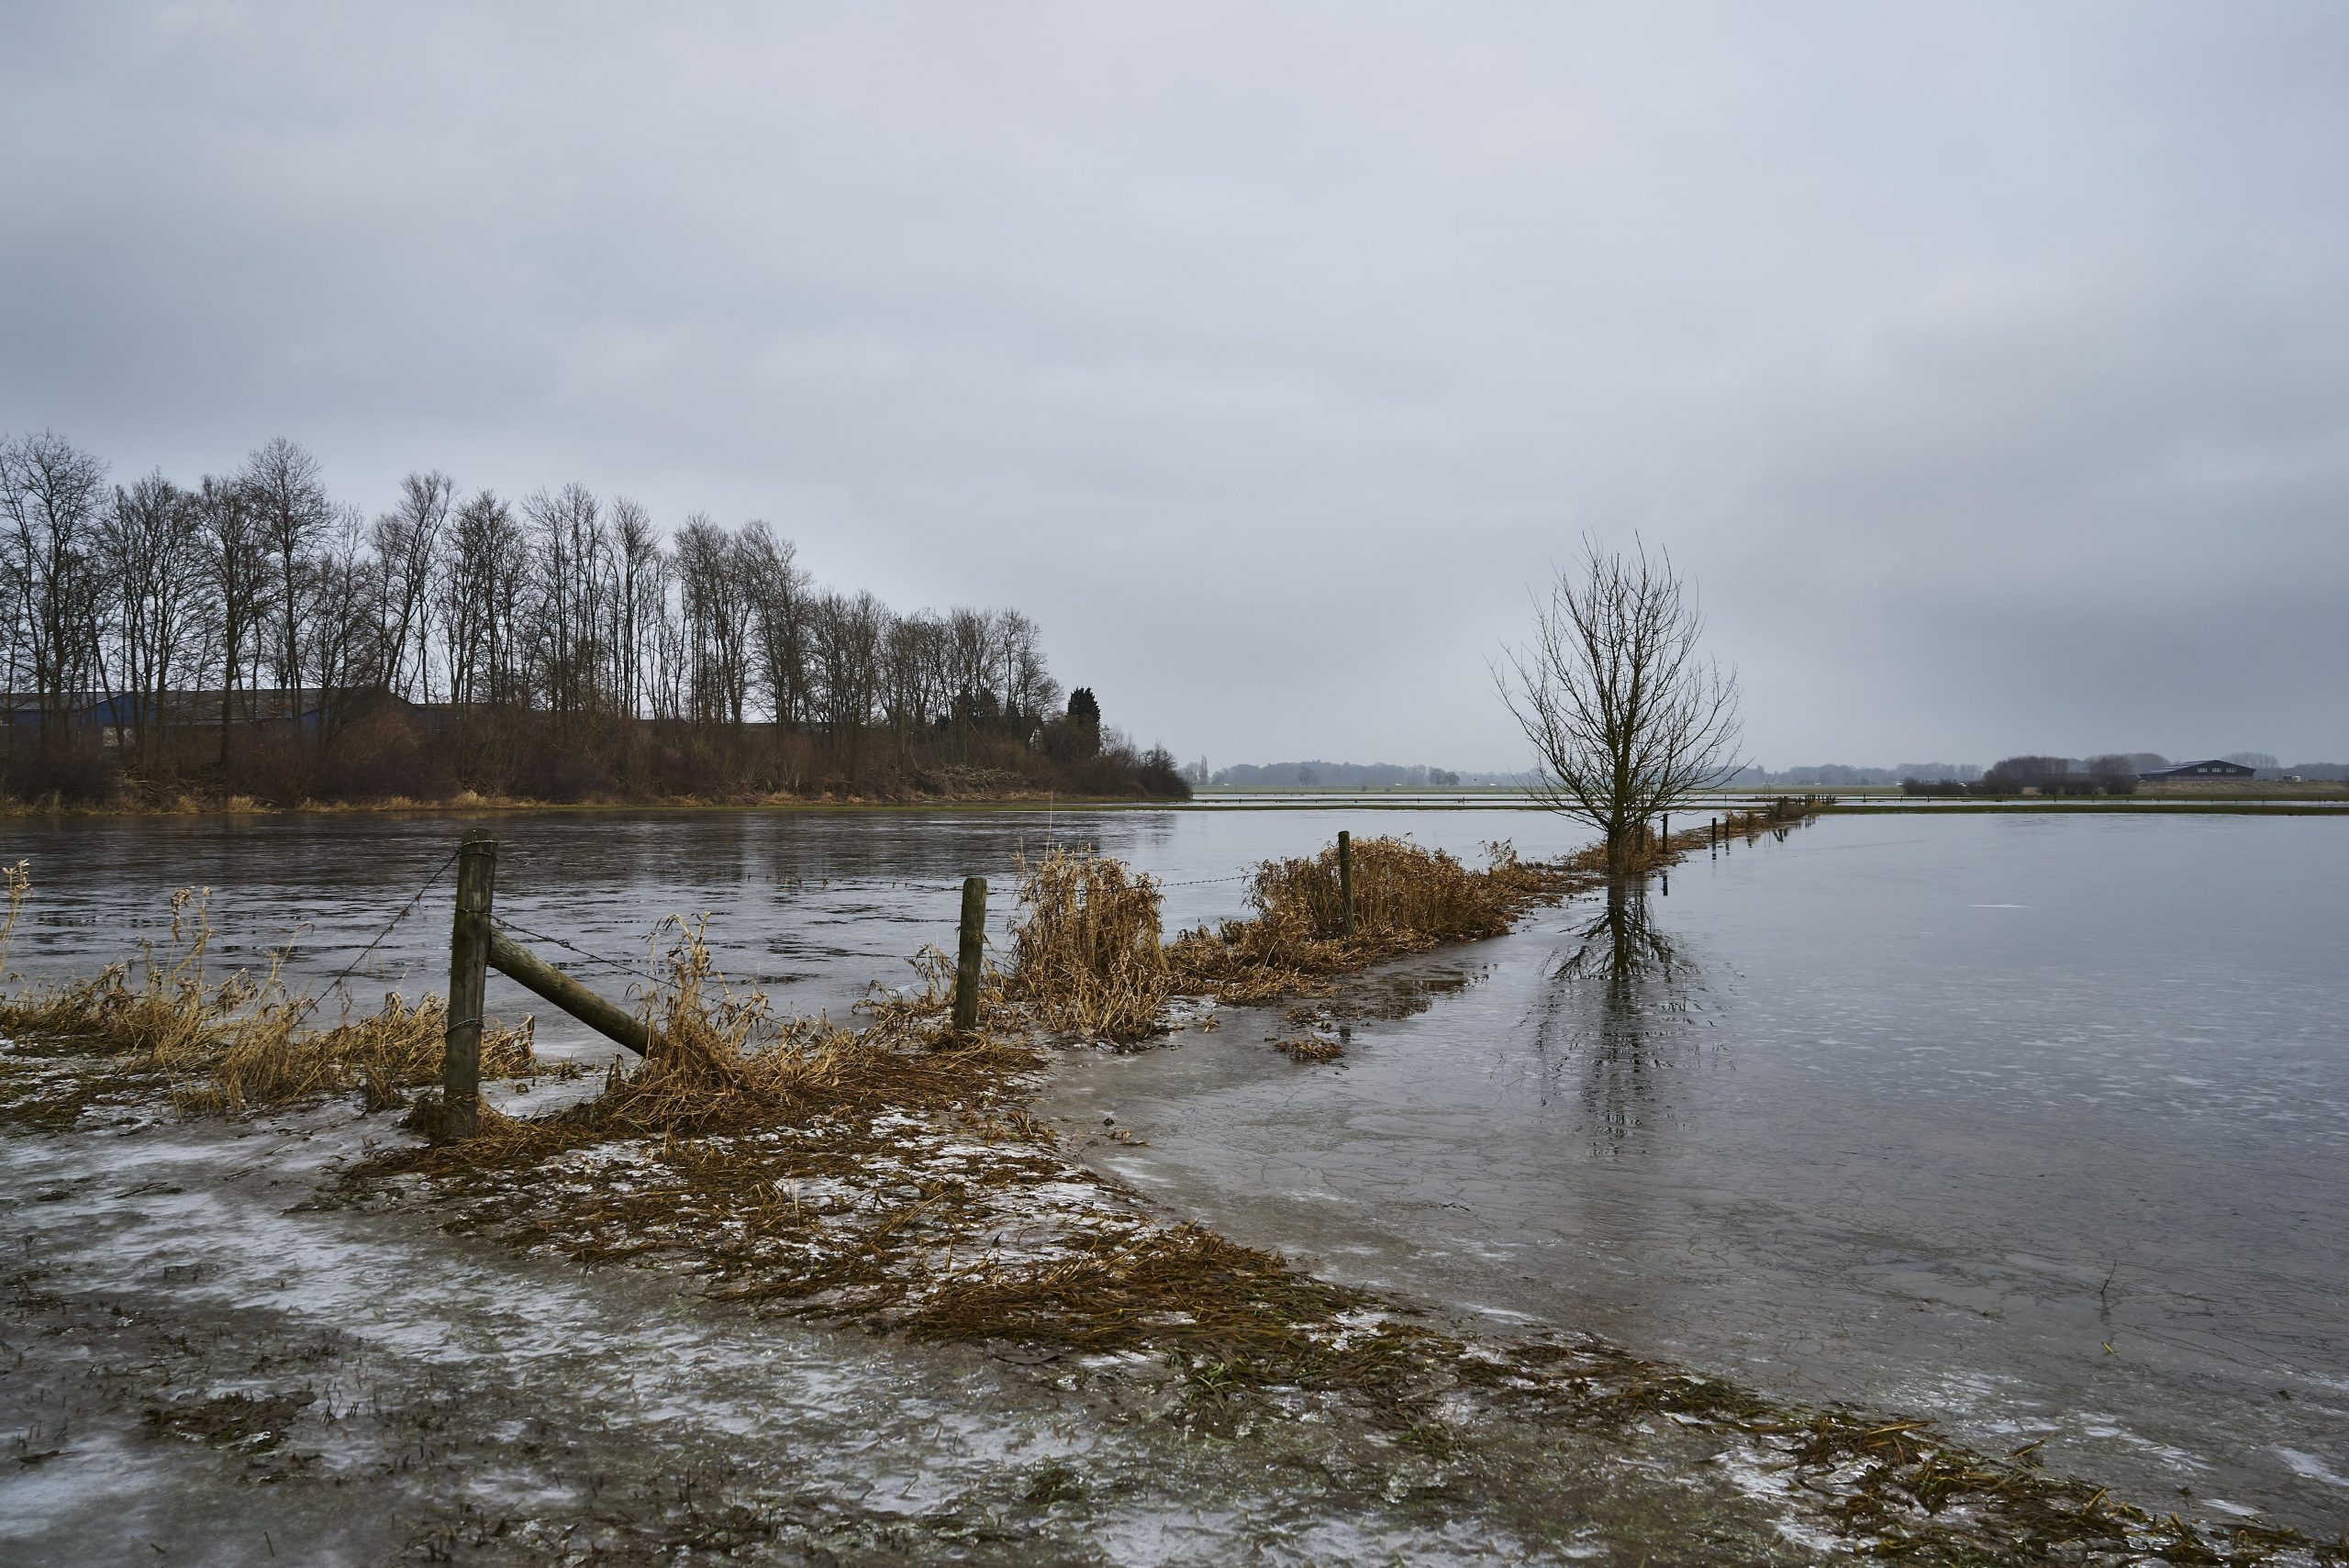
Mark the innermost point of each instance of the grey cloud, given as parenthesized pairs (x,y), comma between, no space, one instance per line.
(1264,353)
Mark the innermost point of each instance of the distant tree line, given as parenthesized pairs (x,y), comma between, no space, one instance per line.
(250,633)
(1333,775)
(2111,773)
(1837,776)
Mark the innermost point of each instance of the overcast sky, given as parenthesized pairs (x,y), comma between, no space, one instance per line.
(1987,366)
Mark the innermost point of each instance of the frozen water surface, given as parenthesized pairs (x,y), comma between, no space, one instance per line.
(1924,1114)
(2036,1124)
(812,905)
(432,1399)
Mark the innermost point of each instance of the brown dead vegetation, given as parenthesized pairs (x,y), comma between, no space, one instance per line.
(1408,899)
(722,1063)
(1087,959)
(240,1043)
(893,1176)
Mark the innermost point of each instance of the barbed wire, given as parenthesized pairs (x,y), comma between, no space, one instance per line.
(904,886)
(310,1004)
(633,972)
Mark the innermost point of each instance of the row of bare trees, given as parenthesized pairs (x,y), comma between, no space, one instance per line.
(206,608)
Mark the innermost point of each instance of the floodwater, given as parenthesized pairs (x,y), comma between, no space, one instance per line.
(2032,1123)
(428,1398)
(812,907)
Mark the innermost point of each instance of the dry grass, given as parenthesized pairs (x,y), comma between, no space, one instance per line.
(1087,959)
(18,880)
(722,1063)
(893,1176)
(889,1179)
(1090,958)
(231,1045)
(1408,899)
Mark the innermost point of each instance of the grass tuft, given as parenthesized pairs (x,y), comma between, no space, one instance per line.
(1087,960)
(1407,898)
(230,1046)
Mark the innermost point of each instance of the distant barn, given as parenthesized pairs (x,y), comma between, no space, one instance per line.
(2213,769)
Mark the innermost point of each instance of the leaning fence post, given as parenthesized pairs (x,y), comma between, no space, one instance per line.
(1346,876)
(468,958)
(973,949)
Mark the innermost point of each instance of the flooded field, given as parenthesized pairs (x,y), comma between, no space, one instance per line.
(812,905)
(2035,1124)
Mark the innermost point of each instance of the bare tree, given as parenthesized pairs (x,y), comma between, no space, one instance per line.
(481,589)
(970,642)
(289,501)
(1028,690)
(718,616)
(152,549)
(343,620)
(641,650)
(636,557)
(1625,716)
(51,497)
(777,586)
(236,569)
(2114,772)
(572,561)
(407,540)
(848,633)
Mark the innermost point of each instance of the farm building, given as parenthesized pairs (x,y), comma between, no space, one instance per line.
(2186,772)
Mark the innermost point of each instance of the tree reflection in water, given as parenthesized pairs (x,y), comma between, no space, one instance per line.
(1617,1005)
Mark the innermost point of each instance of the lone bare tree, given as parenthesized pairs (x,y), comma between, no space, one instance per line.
(1627,718)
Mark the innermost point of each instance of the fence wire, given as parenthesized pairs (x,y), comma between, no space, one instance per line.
(377,939)
(634,972)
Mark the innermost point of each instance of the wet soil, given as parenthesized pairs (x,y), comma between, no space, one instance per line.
(208,1364)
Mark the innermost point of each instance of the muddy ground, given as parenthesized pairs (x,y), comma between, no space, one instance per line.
(211,1357)
(217,1351)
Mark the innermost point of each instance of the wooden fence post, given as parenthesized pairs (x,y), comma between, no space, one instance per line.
(1346,876)
(972,951)
(468,958)
(534,973)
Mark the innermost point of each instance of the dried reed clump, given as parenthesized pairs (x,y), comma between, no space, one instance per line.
(18,881)
(722,1063)
(1407,898)
(718,1059)
(242,1043)
(1088,959)
(265,1057)
(900,1013)
(732,1103)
